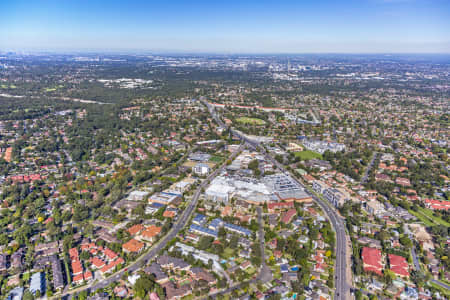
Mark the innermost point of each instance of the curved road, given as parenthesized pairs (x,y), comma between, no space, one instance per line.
(419,269)
(342,288)
(155,249)
(264,273)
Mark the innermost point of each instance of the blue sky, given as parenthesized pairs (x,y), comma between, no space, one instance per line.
(294,26)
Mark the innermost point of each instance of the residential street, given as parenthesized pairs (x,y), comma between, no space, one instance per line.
(342,288)
(155,249)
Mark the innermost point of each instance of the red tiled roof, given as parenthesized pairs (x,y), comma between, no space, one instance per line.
(372,260)
(133,246)
(73,253)
(97,262)
(287,216)
(151,231)
(436,204)
(87,275)
(112,265)
(399,265)
(280,205)
(78,278)
(110,254)
(168,214)
(77,268)
(135,229)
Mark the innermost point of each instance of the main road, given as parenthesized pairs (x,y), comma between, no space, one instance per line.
(342,288)
(155,249)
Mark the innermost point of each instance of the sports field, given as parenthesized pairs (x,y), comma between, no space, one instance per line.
(308,154)
(252,121)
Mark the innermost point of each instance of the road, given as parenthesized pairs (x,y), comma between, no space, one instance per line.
(155,249)
(264,273)
(415,259)
(369,167)
(342,288)
(418,268)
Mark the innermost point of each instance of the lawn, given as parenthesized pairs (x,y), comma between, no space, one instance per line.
(228,252)
(239,260)
(26,276)
(250,270)
(53,88)
(443,291)
(425,220)
(307,155)
(435,219)
(4,86)
(252,121)
(427,217)
(216,159)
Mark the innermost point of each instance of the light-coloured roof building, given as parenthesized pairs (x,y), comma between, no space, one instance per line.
(37,283)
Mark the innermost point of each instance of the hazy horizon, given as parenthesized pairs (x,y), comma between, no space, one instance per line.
(250,27)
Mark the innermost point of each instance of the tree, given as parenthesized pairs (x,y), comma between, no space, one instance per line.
(4,239)
(222,232)
(389,276)
(405,241)
(143,285)
(83,295)
(27,295)
(85,255)
(279,158)
(205,242)
(253,165)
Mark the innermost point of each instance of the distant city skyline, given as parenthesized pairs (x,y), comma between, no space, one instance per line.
(364,26)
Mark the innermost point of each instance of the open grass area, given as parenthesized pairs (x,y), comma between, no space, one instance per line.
(250,270)
(425,220)
(441,289)
(435,219)
(228,252)
(26,276)
(427,217)
(216,159)
(52,89)
(5,86)
(239,260)
(252,121)
(307,155)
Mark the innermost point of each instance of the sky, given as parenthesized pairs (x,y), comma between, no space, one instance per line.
(227,26)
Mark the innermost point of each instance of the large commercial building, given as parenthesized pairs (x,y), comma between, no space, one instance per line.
(164,198)
(272,188)
(286,188)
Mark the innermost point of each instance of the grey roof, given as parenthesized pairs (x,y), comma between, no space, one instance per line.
(173,262)
(156,270)
(2,262)
(201,229)
(58,281)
